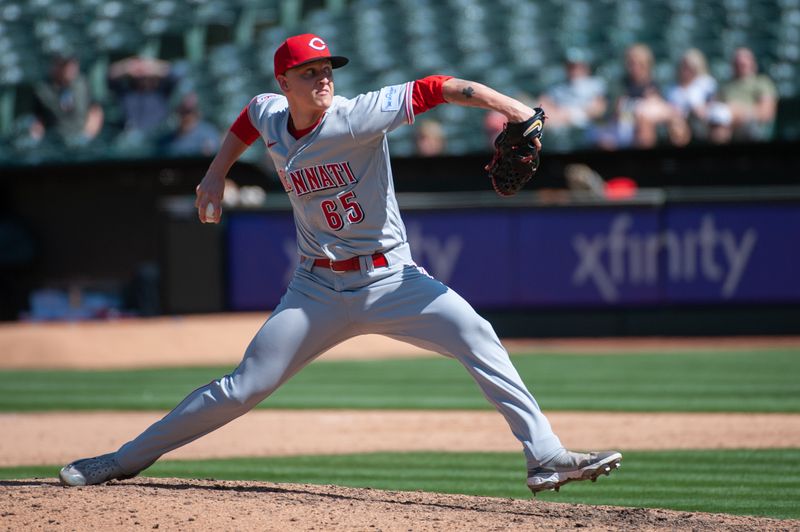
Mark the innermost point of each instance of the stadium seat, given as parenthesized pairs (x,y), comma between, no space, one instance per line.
(228,44)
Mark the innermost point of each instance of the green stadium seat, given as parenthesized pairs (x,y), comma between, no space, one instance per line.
(228,44)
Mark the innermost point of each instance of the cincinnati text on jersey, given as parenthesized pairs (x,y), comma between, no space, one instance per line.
(318,177)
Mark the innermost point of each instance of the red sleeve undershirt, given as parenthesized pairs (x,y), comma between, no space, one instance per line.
(243,128)
(428,93)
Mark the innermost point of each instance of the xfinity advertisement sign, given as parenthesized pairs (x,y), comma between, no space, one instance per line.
(705,253)
(713,253)
(749,253)
(675,254)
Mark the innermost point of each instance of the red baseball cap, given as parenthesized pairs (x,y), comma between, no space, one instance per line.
(304,48)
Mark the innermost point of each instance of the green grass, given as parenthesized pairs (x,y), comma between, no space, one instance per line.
(748,482)
(751,381)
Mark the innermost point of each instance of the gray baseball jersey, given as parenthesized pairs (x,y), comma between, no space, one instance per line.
(340,184)
(338,176)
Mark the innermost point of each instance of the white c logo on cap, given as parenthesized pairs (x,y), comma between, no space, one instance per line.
(317,44)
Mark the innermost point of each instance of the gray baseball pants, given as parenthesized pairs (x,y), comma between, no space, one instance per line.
(321,309)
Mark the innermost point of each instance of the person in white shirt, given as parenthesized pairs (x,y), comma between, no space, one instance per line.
(690,96)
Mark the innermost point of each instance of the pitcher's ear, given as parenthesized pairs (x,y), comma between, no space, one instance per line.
(283,82)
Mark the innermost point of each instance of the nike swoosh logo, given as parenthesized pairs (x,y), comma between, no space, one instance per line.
(271,144)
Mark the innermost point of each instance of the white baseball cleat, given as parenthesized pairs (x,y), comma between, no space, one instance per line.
(89,471)
(569,466)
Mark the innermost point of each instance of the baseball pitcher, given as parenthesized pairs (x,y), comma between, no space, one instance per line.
(356,274)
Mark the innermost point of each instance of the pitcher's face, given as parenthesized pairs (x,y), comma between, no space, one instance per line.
(309,85)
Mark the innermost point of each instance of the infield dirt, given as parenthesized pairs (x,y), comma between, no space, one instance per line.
(172,504)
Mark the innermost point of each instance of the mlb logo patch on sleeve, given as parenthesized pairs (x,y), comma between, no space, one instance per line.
(390,98)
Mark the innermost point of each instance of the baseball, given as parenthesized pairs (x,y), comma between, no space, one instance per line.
(210,213)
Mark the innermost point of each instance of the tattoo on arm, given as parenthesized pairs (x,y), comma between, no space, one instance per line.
(467,92)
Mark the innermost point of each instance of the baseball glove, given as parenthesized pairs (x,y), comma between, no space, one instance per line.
(516,158)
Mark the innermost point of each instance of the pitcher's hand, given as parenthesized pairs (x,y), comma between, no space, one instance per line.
(209,192)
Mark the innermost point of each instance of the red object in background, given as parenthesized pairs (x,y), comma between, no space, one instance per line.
(620,188)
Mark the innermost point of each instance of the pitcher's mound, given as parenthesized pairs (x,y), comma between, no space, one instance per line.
(178,504)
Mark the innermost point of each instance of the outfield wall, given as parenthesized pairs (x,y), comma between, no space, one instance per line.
(662,263)
(600,255)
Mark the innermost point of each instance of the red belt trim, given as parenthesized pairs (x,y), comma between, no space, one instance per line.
(351,264)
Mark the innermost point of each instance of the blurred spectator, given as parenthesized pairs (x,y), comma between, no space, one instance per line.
(64,108)
(746,105)
(192,135)
(580,100)
(640,107)
(143,87)
(429,138)
(690,97)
